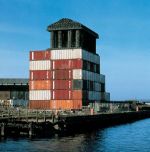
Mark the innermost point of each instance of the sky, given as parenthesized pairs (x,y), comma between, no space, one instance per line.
(124,43)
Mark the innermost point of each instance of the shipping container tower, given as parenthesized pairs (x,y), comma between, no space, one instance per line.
(67,76)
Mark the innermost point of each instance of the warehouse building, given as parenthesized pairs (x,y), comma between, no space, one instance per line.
(14,92)
(67,76)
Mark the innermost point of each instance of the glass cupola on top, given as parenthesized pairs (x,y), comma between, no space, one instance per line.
(67,33)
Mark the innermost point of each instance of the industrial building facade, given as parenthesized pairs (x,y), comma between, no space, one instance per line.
(14,92)
(67,76)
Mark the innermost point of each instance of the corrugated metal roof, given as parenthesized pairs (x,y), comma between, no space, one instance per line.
(13,81)
(66,24)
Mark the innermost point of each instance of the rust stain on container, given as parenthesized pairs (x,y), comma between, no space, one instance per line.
(61,94)
(67,64)
(40,55)
(61,104)
(40,85)
(40,75)
(62,74)
(77,94)
(65,104)
(39,104)
(77,104)
(62,84)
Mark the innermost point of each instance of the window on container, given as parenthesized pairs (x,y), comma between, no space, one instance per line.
(64,38)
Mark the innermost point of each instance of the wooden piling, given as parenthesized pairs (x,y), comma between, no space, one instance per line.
(2,129)
(44,116)
(37,116)
(30,129)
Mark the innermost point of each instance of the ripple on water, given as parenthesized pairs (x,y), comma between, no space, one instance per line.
(133,137)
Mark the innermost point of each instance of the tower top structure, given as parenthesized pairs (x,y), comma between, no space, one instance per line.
(67,33)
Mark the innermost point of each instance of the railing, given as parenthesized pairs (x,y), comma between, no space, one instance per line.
(11,112)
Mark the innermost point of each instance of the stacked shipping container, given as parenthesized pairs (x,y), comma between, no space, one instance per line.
(40,80)
(64,79)
(68,75)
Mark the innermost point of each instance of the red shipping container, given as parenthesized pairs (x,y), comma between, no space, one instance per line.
(60,64)
(67,64)
(40,75)
(65,104)
(40,55)
(62,84)
(77,94)
(55,105)
(62,74)
(61,94)
(40,85)
(77,64)
(61,104)
(39,104)
(77,104)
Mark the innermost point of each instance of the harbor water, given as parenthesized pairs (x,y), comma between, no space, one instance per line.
(131,137)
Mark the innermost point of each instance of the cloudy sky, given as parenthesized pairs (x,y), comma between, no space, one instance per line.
(124,44)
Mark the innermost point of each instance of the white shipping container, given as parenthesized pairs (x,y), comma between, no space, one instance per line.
(39,95)
(86,75)
(77,74)
(102,78)
(93,95)
(40,65)
(74,54)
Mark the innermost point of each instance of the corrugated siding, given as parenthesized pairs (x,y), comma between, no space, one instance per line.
(40,55)
(85,75)
(39,95)
(65,104)
(67,64)
(90,57)
(40,85)
(97,86)
(40,65)
(39,104)
(62,84)
(40,75)
(93,95)
(102,78)
(74,54)
(105,96)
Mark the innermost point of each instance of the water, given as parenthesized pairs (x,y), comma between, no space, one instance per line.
(133,137)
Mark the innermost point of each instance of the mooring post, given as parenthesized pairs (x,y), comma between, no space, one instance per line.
(30,129)
(2,129)
(111,107)
(27,115)
(53,117)
(9,113)
(36,115)
(44,116)
(18,113)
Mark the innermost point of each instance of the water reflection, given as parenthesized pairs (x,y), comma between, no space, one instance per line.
(123,138)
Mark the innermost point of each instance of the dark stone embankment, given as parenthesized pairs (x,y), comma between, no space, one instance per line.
(67,124)
(89,122)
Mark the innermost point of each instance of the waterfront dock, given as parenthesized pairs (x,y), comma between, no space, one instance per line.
(47,123)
